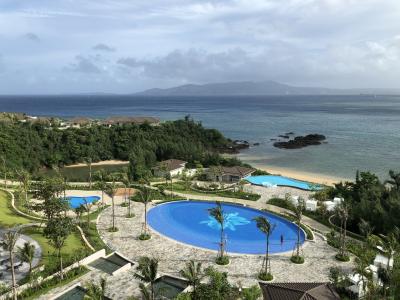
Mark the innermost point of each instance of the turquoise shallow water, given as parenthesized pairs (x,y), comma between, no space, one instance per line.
(363,132)
(271,180)
(76,201)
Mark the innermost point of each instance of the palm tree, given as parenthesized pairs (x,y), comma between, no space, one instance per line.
(394,179)
(26,254)
(218,214)
(265,227)
(24,179)
(145,195)
(101,182)
(390,244)
(298,214)
(343,214)
(88,206)
(96,291)
(4,170)
(111,189)
(147,272)
(193,273)
(125,178)
(9,240)
(89,164)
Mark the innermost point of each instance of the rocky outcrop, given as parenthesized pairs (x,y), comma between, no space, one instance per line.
(301,141)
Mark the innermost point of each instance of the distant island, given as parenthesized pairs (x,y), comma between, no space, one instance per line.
(300,141)
(250,88)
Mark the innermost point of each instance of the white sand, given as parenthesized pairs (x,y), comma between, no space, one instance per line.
(101,163)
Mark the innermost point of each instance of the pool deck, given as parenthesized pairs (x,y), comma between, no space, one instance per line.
(243,268)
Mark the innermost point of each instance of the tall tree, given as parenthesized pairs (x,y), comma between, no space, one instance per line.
(111,190)
(57,231)
(9,240)
(146,195)
(24,179)
(49,191)
(5,170)
(267,228)
(88,161)
(394,179)
(147,272)
(298,214)
(343,214)
(193,274)
(101,182)
(26,253)
(218,214)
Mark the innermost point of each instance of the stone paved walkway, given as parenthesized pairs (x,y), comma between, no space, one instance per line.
(242,269)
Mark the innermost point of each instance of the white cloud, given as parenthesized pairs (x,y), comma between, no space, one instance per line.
(338,43)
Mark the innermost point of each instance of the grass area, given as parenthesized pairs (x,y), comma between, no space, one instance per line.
(73,246)
(93,214)
(94,238)
(80,174)
(157,195)
(8,217)
(180,187)
(41,289)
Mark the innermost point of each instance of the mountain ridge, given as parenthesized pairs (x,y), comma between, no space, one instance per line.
(252,88)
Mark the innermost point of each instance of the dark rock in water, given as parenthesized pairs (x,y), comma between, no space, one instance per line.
(301,141)
(272,139)
(256,144)
(289,133)
(235,147)
(283,136)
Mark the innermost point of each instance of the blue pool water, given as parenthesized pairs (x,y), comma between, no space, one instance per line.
(190,223)
(271,180)
(76,201)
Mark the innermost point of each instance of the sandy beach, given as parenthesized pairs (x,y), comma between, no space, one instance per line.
(300,175)
(100,163)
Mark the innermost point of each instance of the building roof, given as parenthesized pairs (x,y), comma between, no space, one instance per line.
(122,191)
(171,164)
(236,171)
(130,120)
(298,291)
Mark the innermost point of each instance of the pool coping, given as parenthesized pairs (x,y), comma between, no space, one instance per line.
(305,243)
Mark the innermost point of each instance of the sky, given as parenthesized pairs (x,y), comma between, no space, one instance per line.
(125,46)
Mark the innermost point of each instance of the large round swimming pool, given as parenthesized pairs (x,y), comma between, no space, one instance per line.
(189,222)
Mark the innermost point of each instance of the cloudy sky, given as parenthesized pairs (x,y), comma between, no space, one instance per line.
(72,46)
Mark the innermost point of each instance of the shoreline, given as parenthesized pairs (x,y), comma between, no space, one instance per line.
(111,162)
(302,175)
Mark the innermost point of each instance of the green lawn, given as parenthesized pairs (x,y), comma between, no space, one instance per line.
(181,188)
(8,218)
(73,245)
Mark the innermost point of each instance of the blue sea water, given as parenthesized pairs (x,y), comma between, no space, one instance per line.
(189,222)
(363,132)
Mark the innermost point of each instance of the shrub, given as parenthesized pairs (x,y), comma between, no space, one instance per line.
(341,257)
(222,260)
(264,276)
(144,236)
(297,259)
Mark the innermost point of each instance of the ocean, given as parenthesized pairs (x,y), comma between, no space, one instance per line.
(363,132)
